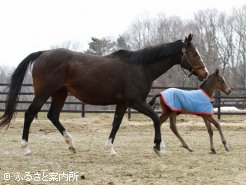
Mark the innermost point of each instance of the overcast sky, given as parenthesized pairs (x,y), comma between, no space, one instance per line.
(31,25)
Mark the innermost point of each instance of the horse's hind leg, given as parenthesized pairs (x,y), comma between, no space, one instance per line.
(31,112)
(118,116)
(175,131)
(217,125)
(145,109)
(57,103)
(210,131)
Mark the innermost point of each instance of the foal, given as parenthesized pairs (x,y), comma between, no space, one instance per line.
(198,103)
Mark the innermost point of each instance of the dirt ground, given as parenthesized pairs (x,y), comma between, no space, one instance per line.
(135,163)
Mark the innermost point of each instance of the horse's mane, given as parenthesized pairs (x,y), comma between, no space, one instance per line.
(150,54)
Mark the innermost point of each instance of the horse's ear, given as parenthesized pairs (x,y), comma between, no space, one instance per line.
(186,40)
(190,37)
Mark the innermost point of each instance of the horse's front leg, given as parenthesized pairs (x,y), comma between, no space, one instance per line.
(119,113)
(144,108)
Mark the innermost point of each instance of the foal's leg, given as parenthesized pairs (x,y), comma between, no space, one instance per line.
(118,116)
(217,125)
(57,103)
(163,118)
(145,108)
(31,112)
(165,112)
(210,131)
(175,131)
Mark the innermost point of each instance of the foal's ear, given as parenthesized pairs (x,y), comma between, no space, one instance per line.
(217,71)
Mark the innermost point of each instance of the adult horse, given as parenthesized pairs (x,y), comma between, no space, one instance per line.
(123,78)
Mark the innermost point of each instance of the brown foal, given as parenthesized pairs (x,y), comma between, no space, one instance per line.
(213,83)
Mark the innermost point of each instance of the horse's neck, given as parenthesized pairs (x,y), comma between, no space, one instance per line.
(156,69)
(208,87)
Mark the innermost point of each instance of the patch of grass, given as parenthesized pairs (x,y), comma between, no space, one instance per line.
(136,163)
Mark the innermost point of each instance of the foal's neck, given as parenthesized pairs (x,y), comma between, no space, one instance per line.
(208,87)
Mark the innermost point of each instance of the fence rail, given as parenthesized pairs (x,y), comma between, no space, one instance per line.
(236,99)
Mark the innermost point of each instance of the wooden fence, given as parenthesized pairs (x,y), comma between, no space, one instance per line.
(236,99)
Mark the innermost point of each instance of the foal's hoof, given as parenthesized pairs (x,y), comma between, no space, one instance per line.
(72,149)
(188,148)
(213,151)
(158,151)
(226,148)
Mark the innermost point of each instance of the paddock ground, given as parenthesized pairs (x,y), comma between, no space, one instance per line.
(135,163)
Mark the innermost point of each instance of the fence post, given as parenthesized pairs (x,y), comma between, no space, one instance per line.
(219,104)
(83,110)
(129,113)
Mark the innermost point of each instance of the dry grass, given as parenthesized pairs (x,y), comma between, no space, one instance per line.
(136,163)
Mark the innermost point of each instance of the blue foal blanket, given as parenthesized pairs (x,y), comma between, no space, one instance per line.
(192,102)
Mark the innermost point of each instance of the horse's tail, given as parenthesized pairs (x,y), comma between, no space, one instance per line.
(15,87)
(152,101)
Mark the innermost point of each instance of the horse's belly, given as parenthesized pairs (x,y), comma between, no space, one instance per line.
(96,97)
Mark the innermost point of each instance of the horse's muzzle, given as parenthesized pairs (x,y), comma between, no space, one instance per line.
(202,75)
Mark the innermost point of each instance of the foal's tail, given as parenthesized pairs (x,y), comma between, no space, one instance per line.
(152,101)
(15,87)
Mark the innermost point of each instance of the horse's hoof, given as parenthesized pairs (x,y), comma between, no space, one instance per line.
(27,152)
(72,149)
(113,153)
(158,152)
(111,150)
(109,146)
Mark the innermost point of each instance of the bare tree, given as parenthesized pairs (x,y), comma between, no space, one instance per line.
(240,38)
(75,46)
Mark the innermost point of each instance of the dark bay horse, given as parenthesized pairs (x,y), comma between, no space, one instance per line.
(214,82)
(123,78)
